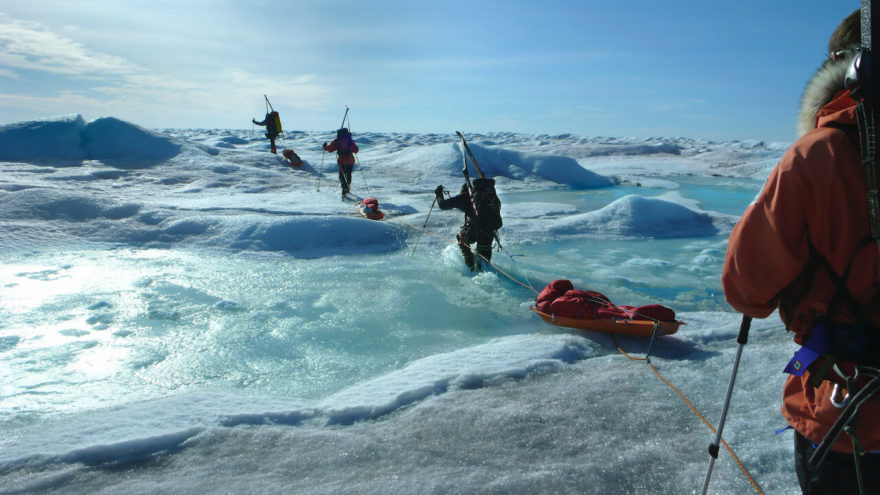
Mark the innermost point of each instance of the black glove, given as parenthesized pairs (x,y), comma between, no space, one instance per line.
(325,144)
(254,121)
(438,192)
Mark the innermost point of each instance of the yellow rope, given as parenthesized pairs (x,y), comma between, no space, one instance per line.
(694,409)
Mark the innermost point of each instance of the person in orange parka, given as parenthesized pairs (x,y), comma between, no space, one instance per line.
(814,204)
(345,148)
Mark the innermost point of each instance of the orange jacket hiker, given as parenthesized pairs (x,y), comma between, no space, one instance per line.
(816,194)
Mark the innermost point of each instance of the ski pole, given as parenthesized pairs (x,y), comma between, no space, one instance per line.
(741,339)
(423,226)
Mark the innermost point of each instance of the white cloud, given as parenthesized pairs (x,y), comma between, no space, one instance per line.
(9,74)
(126,89)
(29,45)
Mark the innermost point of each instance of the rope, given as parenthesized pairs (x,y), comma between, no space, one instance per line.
(515,264)
(499,270)
(693,408)
(646,359)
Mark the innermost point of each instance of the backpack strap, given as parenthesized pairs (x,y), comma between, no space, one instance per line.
(851,131)
(834,346)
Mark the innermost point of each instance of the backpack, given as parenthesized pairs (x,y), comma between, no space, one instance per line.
(487,203)
(344,142)
(273,122)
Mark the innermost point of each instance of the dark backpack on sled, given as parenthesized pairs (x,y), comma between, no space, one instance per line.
(487,203)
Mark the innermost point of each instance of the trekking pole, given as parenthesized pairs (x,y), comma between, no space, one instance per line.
(321,170)
(423,226)
(741,339)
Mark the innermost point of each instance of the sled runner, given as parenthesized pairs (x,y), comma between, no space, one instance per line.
(624,326)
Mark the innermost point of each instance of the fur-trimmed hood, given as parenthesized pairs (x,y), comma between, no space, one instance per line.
(821,88)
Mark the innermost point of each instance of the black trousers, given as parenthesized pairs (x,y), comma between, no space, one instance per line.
(470,233)
(837,473)
(345,177)
(271,138)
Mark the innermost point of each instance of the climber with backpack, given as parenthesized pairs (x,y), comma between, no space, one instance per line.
(272,124)
(482,218)
(809,247)
(345,148)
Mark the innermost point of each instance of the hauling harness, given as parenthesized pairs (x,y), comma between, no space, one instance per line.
(831,343)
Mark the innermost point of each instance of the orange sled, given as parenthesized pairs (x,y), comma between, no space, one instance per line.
(640,328)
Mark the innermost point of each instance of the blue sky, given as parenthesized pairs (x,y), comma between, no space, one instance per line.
(704,69)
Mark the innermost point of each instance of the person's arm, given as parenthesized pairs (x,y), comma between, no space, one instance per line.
(768,247)
(330,147)
(453,202)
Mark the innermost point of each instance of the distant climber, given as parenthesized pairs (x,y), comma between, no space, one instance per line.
(482,217)
(345,148)
(271,123)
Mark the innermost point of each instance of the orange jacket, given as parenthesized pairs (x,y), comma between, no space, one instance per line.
(816,193)
(342,159)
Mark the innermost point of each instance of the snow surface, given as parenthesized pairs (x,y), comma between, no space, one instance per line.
(184,313)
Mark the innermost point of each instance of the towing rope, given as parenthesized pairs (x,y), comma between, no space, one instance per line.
(485,260)
(693,408)
(646,359)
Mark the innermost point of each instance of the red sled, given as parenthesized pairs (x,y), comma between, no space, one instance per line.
(369,208)
(562,305)
(292,158)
